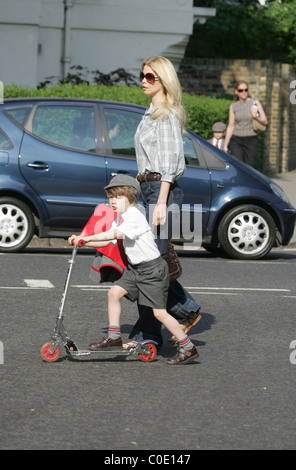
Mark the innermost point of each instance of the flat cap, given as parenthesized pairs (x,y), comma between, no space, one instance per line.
(219,127)
(125,180)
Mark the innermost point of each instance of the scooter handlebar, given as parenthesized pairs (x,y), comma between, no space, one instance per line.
(81,243)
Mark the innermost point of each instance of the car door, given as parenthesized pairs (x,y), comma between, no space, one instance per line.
(59,159)
(196,186)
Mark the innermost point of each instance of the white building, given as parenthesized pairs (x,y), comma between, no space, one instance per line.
(44,38)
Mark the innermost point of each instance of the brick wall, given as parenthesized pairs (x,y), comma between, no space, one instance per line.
(270,83)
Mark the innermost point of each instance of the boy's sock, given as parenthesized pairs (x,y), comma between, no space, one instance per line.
(114,332)
(186,344)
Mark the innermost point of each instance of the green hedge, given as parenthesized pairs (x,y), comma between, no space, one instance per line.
(201,111)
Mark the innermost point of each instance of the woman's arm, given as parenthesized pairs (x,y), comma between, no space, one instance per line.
(262,116)
(230,129)
(160,211)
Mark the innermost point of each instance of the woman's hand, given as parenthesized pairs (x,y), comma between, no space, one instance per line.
(159,214)
(254,112)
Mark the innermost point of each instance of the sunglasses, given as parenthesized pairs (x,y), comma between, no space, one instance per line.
(150,78)
(240,90)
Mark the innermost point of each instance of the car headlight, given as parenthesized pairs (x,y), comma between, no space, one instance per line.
(279,192)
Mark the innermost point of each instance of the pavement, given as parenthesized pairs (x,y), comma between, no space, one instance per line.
(287,181)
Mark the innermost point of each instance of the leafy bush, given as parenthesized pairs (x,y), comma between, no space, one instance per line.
(201,111)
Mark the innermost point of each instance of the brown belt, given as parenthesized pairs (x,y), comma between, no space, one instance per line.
(149,177)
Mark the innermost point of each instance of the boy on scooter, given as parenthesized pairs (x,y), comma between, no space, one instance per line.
(146,278)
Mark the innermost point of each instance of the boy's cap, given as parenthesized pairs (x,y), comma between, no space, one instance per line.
(219,127)
(125,180)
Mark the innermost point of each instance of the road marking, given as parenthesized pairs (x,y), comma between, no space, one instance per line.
(198,289)
(240,288)
(212,293)
(86,286)
(39,283)
(89,287)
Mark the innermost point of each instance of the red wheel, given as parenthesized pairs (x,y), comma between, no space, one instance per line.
(46,356)
(153,352)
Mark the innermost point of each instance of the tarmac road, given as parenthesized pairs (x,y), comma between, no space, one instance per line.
(239,394)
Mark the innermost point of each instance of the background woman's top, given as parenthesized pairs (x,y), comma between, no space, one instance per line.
(159,147)
(243,119)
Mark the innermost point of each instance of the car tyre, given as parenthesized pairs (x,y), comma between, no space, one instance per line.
(17,225)
(247,232)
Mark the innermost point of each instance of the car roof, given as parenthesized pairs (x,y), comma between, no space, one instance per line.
(67,99)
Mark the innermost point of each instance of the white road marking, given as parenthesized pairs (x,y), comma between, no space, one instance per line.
(197,289)
(39,283)
(201,290)
(239,288)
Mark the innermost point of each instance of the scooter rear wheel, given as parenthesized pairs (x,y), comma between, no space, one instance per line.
(147,357)
(47,356)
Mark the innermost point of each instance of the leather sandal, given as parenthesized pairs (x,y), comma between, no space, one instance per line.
(186,324)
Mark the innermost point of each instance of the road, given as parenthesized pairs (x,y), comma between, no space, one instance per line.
(239,394)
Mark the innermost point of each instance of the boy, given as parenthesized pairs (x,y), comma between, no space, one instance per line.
(146,277)
(217,140)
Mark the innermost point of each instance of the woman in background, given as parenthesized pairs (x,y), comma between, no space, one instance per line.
(241,140)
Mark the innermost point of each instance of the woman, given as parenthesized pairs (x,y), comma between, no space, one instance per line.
(241,140)
(160,159)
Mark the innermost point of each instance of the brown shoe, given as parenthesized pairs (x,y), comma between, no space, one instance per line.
(188,322)
(105,343)
(183,356)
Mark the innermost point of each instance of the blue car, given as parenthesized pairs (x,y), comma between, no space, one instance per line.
(56,156)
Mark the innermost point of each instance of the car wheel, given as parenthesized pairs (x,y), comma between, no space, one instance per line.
(247,232)
(17,225)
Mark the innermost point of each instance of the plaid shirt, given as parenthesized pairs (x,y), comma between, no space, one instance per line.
(159,147)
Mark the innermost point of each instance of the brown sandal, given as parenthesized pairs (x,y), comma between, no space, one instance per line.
(186,324)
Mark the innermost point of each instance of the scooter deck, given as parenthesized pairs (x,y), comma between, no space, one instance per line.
(139,348)
(50,352)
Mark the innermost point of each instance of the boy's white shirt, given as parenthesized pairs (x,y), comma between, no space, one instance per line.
(138,240)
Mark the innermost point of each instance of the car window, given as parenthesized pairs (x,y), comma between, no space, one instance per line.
(122,125)
(212,160)
(5,143)
(191,157)
(19,115)
(67,126)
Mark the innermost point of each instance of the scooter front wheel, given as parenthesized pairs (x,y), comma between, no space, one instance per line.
(47,356)
(151,356)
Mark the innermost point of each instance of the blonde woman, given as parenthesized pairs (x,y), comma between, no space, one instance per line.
(241,139)
(160,160)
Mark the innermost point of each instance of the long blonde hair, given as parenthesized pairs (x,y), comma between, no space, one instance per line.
(166,72)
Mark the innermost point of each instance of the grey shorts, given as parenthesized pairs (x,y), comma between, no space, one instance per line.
(147,282)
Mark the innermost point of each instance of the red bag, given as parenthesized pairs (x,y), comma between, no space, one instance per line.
(111,260)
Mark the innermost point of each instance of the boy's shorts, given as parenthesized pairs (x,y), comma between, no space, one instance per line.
(147,282)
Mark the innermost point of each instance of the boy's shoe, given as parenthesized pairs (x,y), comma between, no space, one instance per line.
(183,356)
(188,322)
(105,343)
